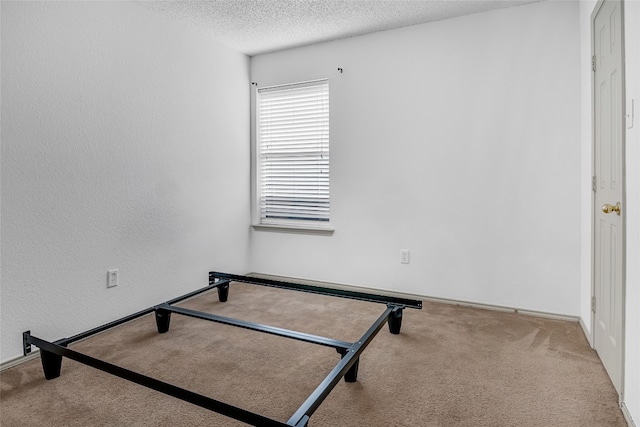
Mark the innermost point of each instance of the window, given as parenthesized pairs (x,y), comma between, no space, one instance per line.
(293,155)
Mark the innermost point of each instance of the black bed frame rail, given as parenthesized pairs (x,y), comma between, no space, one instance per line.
(362,296)
(51,353)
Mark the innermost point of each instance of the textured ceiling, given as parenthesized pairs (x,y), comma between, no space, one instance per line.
(259,26)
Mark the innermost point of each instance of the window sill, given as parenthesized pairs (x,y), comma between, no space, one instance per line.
(325,230)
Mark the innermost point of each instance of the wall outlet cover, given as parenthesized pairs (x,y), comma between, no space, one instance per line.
(112,278)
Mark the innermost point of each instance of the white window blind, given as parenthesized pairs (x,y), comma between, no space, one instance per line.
(293,159)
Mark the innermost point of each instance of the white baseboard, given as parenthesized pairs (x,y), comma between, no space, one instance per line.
(19,360)
(627,415)
(348,287)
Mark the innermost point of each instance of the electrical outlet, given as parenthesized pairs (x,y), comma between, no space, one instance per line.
(112,278)
(404,256)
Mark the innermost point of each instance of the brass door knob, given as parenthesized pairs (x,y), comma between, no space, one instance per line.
(607,208)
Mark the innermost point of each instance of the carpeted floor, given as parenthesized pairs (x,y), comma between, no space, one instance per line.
(450,366)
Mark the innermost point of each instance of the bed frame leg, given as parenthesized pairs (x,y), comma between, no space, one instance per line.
(395,320)
(352,374)
(51,364)
(163,319)
(223,292)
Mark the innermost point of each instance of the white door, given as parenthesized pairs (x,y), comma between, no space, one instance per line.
(609,206)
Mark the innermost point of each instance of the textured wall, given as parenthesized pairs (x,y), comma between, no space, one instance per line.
(125,141)
(458,140)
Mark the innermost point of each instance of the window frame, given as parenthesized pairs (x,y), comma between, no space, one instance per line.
(283,225)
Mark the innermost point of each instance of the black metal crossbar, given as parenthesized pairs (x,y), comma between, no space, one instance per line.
(300,336)
(52,353)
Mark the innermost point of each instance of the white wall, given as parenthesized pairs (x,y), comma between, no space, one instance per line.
(125,144)
(631,392)
(458,140)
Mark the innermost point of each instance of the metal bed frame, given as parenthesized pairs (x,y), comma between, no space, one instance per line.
(51,353)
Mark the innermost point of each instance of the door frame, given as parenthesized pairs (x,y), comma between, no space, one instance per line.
(623,276)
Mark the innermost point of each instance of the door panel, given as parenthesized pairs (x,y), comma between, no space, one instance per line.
(609,153)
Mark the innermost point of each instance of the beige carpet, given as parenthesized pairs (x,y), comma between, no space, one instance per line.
(450,366)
